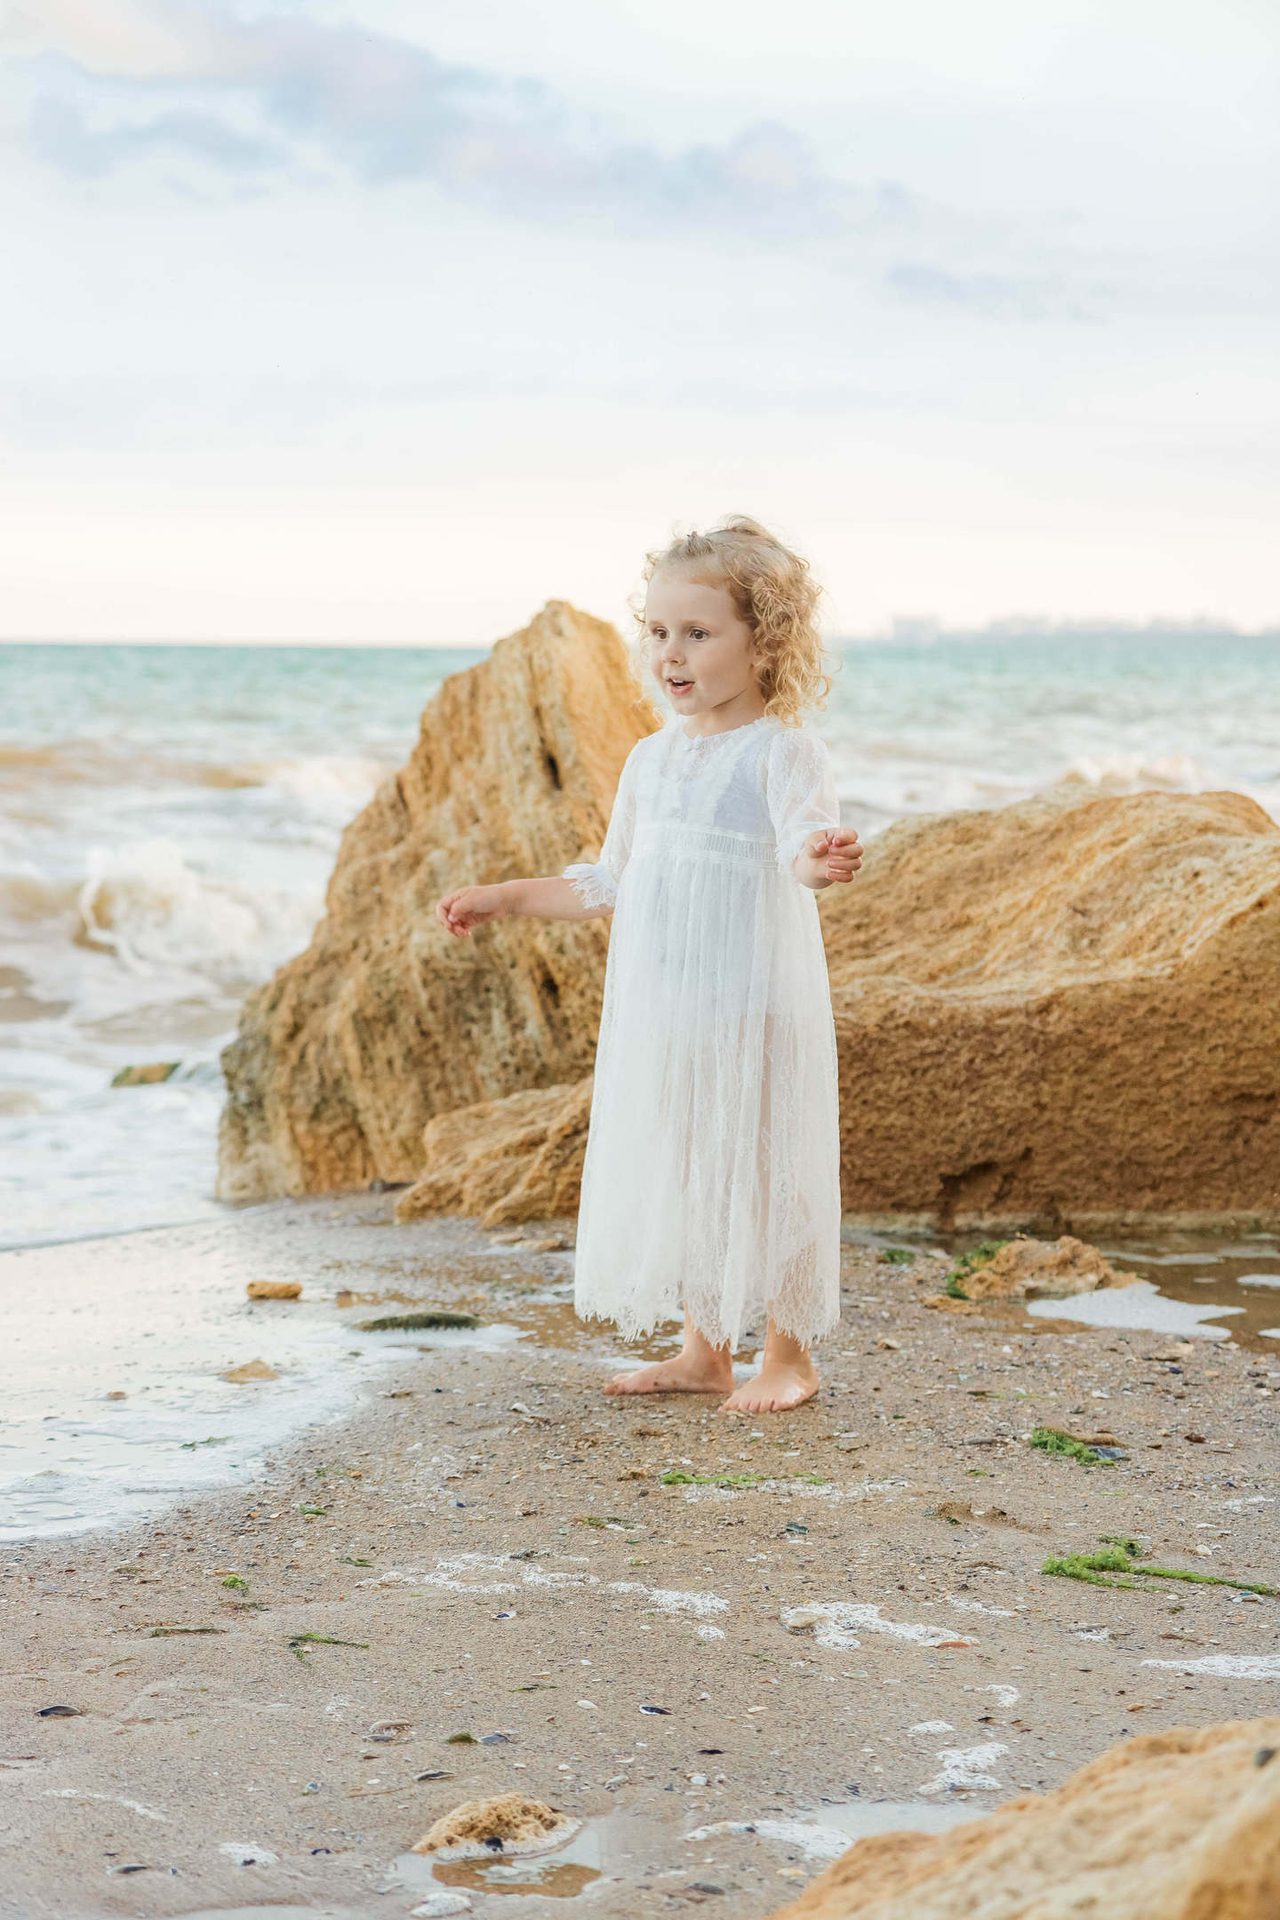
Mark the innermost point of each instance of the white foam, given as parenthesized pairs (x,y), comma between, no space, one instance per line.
(496,1573)
(966,1767)
(837,1623)
(806,1836)
(146,904)
(116,1800)
(1227,1666)
(932,1726)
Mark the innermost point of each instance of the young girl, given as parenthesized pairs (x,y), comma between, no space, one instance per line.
(711,1181)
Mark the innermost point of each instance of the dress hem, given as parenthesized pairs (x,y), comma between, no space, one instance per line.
(808,1336)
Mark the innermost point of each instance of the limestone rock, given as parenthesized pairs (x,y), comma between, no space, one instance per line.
(249,1371)
(1026,1269)
(387,1020)
(1063,1010)
(1169,1826)
(509,1823)
(505,1160)
(150,1075)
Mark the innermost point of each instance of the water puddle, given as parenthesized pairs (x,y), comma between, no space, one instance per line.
(1189,1283)
(1143,1308)
(605,1848)
(821,1834)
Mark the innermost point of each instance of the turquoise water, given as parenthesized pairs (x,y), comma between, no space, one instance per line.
(169,817)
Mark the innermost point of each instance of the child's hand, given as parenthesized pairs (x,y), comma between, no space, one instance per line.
(468,907)
(844,853)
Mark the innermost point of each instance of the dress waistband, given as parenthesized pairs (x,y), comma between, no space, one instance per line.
(674,838)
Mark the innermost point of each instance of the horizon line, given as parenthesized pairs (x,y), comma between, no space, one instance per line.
(903,629)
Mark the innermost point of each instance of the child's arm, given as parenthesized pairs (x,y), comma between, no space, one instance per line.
(586,890)
(545,897)
(804,806)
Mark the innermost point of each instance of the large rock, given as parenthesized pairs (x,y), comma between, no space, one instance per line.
(1063,1012)
(386,1019)
(1183,1825)
(502,1161)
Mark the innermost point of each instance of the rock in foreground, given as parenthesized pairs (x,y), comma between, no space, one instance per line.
(1182,1825)
(483,1829)
(1026,1269)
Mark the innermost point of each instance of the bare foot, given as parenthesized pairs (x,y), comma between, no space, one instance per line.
(779,1386)
(686,1373)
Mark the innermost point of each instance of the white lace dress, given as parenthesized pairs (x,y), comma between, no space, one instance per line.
(712,1171)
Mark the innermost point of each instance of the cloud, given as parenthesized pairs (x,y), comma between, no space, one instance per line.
(235,102)
(1028,296)
(294,95)
(60,136)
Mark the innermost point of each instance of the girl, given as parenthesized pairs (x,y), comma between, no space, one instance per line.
(711,1180)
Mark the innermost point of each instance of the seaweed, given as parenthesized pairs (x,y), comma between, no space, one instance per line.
(986,1250)
(1053,1440)
(1117,1558)
(411,1322)
(677,1477)
(301,1641)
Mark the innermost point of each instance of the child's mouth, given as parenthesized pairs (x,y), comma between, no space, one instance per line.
(679,686)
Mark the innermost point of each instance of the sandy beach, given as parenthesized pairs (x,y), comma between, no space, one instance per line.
(486,1545)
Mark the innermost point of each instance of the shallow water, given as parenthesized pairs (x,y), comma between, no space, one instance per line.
(1198,1286)
(73,1458)
(608,1846)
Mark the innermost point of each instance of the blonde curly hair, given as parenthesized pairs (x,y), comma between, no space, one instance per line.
(773,593)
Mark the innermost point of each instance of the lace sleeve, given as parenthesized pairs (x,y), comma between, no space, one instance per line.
(801,791)
(596,882)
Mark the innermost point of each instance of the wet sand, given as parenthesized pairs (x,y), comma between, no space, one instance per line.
(866,1622)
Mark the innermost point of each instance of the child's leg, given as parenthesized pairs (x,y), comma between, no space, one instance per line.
(697,1368)
(787,1378)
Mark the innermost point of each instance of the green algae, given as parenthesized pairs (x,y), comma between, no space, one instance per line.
(967,1263)
(677,1477)
(1053,1440)
(896,1256)
(1116,1558)
(300,1642)
(412,1322)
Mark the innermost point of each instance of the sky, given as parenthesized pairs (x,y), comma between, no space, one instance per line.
(388,321)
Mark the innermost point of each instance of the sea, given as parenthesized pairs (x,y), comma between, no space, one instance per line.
(169,816)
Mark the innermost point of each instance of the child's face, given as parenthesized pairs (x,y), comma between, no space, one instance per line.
(699,649)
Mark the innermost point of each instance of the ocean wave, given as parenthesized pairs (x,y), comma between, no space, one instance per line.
(111,764)
(1127,772)
(128,765)
(146,905)
(324,775)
